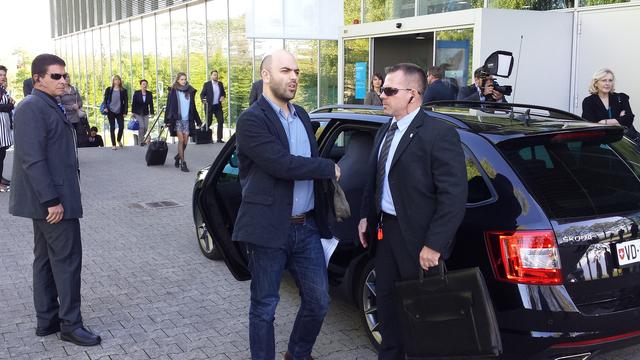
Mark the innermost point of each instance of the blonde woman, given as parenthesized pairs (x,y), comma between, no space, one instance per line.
(116,100)
(181,115)
(605,106)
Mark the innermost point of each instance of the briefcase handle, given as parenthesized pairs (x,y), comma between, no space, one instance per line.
(441,268)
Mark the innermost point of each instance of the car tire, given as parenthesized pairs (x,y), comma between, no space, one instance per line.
(367,306)
(205,240)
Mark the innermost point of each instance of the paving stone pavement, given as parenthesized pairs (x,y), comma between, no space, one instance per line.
(146,288)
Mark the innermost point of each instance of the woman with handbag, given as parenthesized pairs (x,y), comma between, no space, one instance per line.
(6,125)
(116,104)
(181,115)
(142,107)
(72,103)
(607,107)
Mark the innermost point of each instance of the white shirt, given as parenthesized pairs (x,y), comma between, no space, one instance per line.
(387,201)
(216,92)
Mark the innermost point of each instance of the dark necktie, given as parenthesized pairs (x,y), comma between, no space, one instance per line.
(382,161)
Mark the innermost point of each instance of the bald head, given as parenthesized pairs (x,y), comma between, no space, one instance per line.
(279,73)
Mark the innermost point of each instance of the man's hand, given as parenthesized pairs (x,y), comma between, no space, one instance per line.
(609,122)
(337,172)
(362,232)
(428,258)
(497,96)
(488,89)
(56,213)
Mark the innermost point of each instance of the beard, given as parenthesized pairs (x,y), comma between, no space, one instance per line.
(281,92)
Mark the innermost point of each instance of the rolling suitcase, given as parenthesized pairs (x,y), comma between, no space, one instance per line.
(449,316)
(203,136)
(158,149)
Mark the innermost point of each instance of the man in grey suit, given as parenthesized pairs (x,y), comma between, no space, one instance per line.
(46,188)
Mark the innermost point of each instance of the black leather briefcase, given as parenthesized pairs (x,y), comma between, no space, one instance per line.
(448,316)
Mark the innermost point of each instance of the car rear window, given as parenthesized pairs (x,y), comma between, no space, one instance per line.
(578,178)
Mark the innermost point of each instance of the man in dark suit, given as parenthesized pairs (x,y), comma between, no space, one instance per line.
(415,195)
(479,92)
(27,86)
(256,91)
(283,213)
(212,96)
(437,89)
(46,188)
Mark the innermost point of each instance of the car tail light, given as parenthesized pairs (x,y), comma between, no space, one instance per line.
(526,257)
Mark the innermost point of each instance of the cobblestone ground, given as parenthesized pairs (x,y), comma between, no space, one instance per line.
(147,290)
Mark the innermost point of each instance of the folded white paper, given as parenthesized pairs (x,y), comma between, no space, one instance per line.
(329,246)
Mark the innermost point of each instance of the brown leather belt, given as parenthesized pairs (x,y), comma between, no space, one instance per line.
(299,219)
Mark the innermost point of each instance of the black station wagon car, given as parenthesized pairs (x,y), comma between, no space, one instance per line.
(551,220)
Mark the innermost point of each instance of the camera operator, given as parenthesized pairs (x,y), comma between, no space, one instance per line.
(482,89)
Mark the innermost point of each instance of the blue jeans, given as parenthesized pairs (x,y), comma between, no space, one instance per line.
(304,258)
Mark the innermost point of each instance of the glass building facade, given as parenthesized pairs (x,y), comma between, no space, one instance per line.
(154,40)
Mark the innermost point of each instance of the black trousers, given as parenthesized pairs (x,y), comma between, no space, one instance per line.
(56,273)
(217,111)
(393,262)
(3,153)
(112,126)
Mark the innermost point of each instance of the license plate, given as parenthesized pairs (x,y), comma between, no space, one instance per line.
(628,252)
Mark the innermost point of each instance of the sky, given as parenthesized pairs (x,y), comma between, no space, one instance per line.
(26,25)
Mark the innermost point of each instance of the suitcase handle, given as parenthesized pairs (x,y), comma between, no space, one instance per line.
(442,271)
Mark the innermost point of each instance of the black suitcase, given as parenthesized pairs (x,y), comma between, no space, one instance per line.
(203,136)
(157,150)
(449,316)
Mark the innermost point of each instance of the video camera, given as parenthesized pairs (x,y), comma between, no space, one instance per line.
(505,90)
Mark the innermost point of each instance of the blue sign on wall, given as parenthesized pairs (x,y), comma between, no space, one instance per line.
(361,79)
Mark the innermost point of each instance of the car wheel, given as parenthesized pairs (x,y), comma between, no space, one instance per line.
(366,295)
(205,240)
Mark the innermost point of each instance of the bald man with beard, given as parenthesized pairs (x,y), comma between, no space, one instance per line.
(283,213)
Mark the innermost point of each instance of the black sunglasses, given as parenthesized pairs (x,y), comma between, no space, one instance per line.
(390,91)
(55,76)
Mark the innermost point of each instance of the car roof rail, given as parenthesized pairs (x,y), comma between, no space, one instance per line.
(331,108)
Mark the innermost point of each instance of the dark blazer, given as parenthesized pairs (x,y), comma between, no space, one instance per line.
(256,91)
(27,87)
(172,112)
(124,99)
(439,90)
(140,107)
(428,184)
(593,109)
(45,164)
(207,93)
(267,174)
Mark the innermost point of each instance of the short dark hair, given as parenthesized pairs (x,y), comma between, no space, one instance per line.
(41,63)
(479,72)
(213,71)
(3,68)
(145,80)
(436,71)
(93,128)
(411,70)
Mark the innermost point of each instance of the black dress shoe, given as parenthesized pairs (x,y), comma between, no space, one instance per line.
(81,337)
(220,141)
(48,331)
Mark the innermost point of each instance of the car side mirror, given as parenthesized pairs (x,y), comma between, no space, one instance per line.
(500,64)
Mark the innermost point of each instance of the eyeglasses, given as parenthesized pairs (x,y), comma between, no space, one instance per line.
(390,91)
(55,76)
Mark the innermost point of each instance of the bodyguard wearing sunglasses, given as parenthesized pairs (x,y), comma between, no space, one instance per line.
(415,195)
(46,188)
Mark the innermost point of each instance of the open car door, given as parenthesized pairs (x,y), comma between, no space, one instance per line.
(219,202)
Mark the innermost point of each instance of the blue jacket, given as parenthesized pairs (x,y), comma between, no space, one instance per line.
(267,173)
(438,90)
